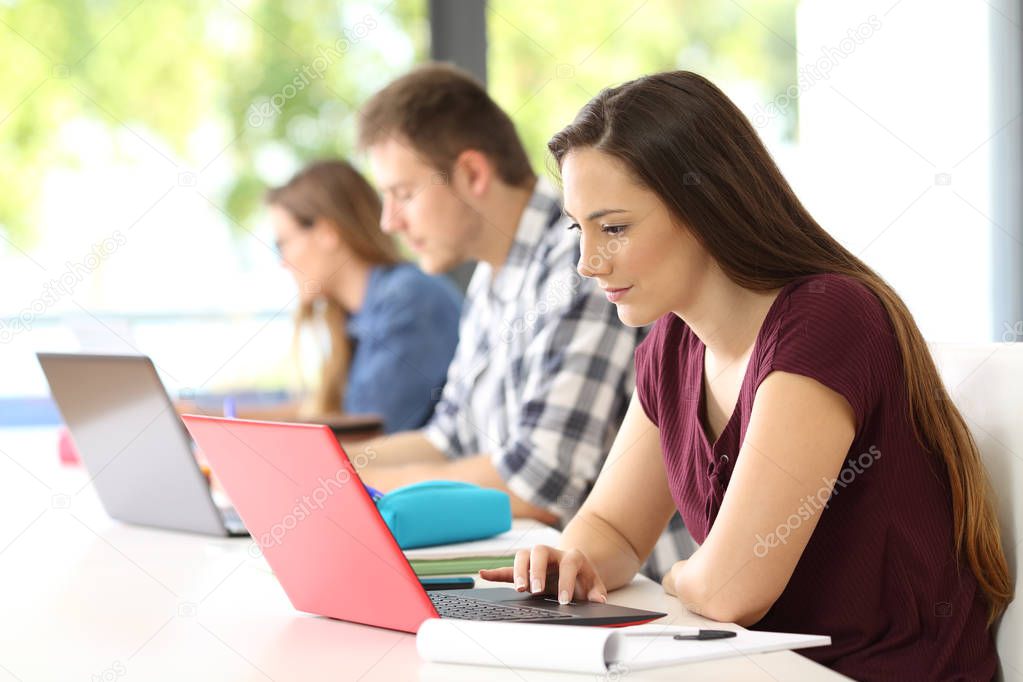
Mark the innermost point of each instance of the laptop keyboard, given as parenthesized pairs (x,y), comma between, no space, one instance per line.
(450,605)
(232,521)
(230,515)
(231,518)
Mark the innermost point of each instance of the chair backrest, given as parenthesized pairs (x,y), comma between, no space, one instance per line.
(986,384)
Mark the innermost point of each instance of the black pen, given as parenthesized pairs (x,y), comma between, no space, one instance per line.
(691,634)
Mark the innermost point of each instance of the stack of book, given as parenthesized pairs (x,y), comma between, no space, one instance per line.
(469,557)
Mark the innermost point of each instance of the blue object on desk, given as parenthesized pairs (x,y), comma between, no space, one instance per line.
(443,512)
(457,582)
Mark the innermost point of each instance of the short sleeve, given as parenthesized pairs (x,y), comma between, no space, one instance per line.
(834,330)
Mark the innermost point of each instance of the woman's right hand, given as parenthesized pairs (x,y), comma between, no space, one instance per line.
(545,570)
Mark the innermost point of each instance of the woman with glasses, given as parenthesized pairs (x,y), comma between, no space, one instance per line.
(392,329)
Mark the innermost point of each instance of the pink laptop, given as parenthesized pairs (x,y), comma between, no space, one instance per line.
(304,504)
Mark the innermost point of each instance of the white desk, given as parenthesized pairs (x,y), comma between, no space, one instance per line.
(84,597)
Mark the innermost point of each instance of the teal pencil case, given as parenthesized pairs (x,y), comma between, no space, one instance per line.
(443,512)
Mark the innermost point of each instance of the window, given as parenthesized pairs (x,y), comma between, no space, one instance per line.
(877,112)
(138,140)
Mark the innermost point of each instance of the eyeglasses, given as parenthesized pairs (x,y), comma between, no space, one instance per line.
(280,244)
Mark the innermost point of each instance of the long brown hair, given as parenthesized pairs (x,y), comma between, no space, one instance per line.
(334,191)
(682,138)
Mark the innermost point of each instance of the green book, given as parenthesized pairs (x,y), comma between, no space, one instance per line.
(462,565)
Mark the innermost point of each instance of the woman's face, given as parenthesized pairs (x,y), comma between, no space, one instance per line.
(644,261)
(301,252)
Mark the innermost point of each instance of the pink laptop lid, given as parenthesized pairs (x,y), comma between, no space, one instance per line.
(303,503)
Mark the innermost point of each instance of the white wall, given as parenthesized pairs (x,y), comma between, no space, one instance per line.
(895,148)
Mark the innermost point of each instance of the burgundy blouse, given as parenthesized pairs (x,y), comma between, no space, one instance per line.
(879,573)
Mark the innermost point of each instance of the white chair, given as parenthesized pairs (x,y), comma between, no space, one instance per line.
(986,384)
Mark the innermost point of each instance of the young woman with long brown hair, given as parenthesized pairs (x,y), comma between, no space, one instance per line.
(786,405)
(392,328)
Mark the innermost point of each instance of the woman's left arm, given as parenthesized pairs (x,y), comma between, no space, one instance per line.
(797,440)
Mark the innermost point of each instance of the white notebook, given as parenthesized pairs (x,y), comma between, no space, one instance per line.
(587,649)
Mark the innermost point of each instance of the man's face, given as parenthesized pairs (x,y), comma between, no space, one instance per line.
(421,205)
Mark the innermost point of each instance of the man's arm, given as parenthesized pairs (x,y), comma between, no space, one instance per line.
(396,449)
(403,458)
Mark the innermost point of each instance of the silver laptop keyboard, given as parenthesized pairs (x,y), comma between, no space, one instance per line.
(451,605)
(231,517)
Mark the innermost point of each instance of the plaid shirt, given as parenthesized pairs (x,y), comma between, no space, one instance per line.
(543,371)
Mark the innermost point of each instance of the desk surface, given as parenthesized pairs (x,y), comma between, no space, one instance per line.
(85,597)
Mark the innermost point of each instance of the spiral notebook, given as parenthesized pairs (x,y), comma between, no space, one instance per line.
(588,650)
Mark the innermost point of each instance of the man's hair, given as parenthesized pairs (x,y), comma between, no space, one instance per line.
(442,111)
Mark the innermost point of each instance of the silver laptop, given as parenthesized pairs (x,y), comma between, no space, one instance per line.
(132,442)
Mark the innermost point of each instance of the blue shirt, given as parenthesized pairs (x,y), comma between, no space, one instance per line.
(403,337)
